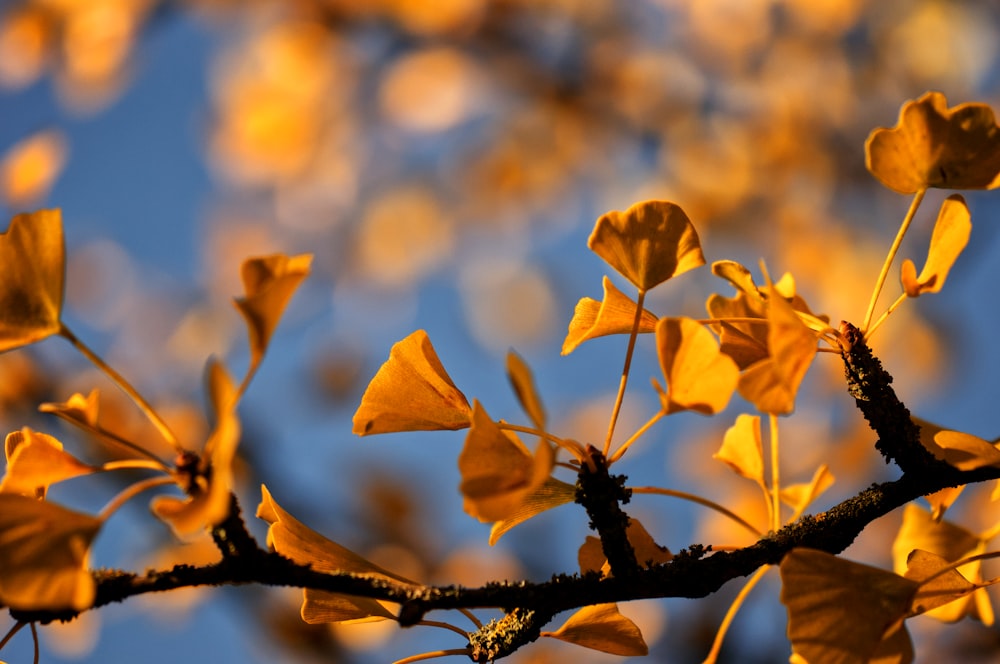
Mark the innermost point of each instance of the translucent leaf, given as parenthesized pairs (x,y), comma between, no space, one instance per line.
(950,235)
(963,450)
(78,409)
(940,589)
(523,383)
(936,146)
(602,627)
(772,383)
(949,541)
(552,493)
(648,243)
(940,500)
(43,555)
(800,496)
(208,500)
(35,461)
(699,377)
(840,611)
(296,541)
(591,556)
(269,283)
(738,275)
(412,392)
(31,291)
(498,472)
(612,315)
(741,449)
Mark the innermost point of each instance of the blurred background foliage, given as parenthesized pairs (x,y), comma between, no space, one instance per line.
(445,161)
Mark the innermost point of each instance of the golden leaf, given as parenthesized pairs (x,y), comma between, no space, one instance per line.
(772,383)
(951,542)
(296,541)
(699,377)
(614,314)
(742,451)
(842,611)
(648,243)
(591,556)
(498,472)
(940,500)
(523,383)
(208,500)
(78,409)
(36,460)
(269,283)
(963,450)
(412,392)
(940,589)
(936,146)
(950,235)
(43,555)
(602,627)
(800,496)
(31,292)
(552,493)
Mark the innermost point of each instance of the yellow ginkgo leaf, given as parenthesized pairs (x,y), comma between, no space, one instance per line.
(739,276)
(648,243)
(940,588)
(772,383)
(941,500)
(615,314)
(699,377)
(210,480)
(742,450)
(963,450)
(498,472)
(842,611)
(800,496)
(412,392)
(36,460)
(43,555)
(602,627)
(269,283)
(950,541)
(936,146)
(523,383)
(78,409)
(950,235)
(296,541)
(552,493)
(31,291)
(591,556)
(28,169)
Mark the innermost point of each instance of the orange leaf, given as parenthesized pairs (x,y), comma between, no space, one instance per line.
(648,243)
(411,392)
(939,589)
(498,472)
(963,450)
(614,314)
(602,627)
(951,234)
(772,383)
(296,541)
(552,493)
(699,377)
(591,556)
(31,291)
(800,496)
(36,460)
(78,409)
(523,383)
(841,611)
(208,500)
(936,146)
(742,451)
(43,555)
(269,283)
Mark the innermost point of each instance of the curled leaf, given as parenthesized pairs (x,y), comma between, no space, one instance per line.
(411,392)
(552,493)
(35,461)
(43,555)
(31,291)
(498,472)
(936,146)
(523,383)
(800,496)
(269,283)
(78,409)
(614,314)
(950,235)
(648,243)
(602,627)
(210,482)
(699,377)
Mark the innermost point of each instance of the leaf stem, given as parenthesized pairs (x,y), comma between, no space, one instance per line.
(571,446)
(734,608)
(683,495)
(625,370)
(130,492)
(891,256)
(125,386)
(772,426)
(636,436)
(881,319)
(432,655)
